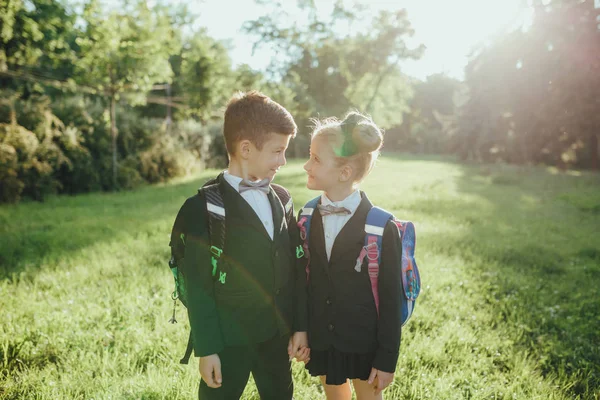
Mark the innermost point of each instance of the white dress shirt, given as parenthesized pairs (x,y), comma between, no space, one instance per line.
(257,200)
(333,223)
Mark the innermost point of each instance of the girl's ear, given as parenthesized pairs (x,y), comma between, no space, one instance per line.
(345,173)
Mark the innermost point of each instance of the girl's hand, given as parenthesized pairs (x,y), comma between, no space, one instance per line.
(303,355)
(380,379)
(298,347)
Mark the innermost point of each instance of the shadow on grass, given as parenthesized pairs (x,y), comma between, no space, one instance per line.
(534,235)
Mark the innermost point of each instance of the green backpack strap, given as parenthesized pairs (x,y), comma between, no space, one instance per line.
(216,228)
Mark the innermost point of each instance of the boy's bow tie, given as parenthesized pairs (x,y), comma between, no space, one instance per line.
(331,209)
(262,185)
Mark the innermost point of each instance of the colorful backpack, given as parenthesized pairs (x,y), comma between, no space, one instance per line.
(377,219)
(215,210)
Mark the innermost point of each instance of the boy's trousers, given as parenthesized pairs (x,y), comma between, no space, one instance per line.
(270,366)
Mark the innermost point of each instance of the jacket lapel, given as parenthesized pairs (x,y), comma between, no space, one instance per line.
(352,235)
(278,214)
(317,241)
(239,209)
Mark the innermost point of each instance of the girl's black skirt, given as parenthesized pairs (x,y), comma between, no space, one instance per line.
(339,366)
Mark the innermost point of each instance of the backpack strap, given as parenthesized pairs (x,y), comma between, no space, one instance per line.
(216,229)
(286,200)
(188,350)
(304,226)
(377,219)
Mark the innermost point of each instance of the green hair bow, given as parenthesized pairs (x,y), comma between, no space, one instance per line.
(348,148)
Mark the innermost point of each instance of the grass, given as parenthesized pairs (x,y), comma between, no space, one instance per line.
(509,260)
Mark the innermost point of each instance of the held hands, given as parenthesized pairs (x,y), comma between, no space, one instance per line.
(380,380)
(298,347)
(210,370)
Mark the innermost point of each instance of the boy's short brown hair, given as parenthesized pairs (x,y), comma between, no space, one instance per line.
(253,116)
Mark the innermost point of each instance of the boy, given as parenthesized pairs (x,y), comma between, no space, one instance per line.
(242,324)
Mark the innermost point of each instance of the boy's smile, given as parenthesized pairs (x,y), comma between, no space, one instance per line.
(265,163)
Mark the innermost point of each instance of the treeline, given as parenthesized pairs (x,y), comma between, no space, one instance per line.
(99,98)
(533,95)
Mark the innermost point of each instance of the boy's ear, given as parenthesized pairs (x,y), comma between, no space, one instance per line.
(244,147)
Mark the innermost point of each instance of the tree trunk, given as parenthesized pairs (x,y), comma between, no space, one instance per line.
(113,131)
(385,72)
(403,142)
(169,119)
(594,149)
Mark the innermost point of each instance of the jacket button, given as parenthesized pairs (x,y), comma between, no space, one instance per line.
(278,291)
(331,327)
(276,253)
(328,301)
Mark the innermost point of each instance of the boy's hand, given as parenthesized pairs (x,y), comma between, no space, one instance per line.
(380,379)
(298,347)
(210,370)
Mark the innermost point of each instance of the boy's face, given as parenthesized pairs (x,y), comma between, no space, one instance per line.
(266,162)
(323,173)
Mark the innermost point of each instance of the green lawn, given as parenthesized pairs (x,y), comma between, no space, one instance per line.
(509,260)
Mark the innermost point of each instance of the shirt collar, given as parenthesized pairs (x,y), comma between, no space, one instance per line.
(351,202)
(233,180)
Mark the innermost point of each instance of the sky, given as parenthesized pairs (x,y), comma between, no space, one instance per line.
(449,29)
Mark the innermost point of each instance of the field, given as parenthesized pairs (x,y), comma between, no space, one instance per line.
(510,307)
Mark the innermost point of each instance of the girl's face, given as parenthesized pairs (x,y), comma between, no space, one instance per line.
(323,172)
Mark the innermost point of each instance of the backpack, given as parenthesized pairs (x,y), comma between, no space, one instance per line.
(377,219)
(215,210)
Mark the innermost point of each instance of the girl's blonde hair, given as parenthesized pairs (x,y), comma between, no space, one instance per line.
(356,141)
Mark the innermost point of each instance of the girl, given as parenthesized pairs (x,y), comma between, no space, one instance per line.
(347,337)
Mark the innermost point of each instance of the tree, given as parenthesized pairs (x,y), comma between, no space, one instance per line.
(533,94)
(37,42)
(421,127)
(332,71)
(205,75)
(125,52)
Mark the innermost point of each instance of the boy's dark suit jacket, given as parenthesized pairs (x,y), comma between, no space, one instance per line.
(342,310)
(265,289)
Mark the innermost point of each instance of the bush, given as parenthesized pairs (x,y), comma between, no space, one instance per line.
(136,134)
(10,184)
(27,163)
(65,147)
(88,147)
(184,148)
(217,153)
(196,138)
(81,174)
(168,158)
(128,177)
